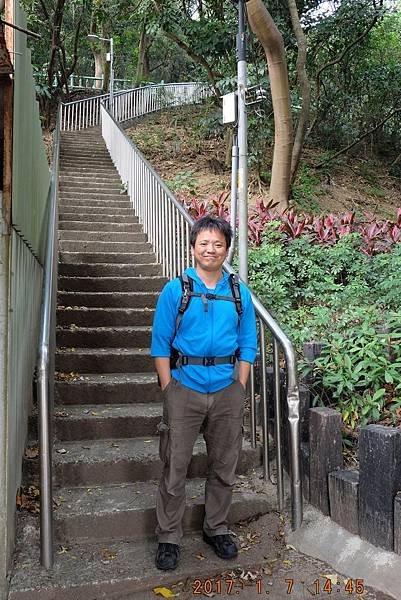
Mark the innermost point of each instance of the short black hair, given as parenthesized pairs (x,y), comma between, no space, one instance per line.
(213,223)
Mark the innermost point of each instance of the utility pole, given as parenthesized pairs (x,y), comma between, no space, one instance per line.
(112,76)
(242,146)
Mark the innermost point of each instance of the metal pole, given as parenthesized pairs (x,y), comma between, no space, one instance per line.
(111,84)
(242,147)
(234,194)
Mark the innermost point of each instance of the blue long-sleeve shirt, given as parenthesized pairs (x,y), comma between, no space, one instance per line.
(217,331)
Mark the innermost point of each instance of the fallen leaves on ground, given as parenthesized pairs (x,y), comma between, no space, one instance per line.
(28,499)
(107,555)
(60,376)
(332,577)
(31,452)
(165,592)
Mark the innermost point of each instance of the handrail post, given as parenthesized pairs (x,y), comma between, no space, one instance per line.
(45,364)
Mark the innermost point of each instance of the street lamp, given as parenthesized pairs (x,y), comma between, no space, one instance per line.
(93,36)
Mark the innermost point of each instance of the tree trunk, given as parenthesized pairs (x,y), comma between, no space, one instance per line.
(304,85)
(271,39)
(142,72)
(99,67)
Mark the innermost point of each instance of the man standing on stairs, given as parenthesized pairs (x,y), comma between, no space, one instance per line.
(204,342)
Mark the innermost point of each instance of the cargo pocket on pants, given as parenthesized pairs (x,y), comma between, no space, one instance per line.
(164,441)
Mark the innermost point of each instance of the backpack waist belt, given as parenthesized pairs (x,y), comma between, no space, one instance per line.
(179,360)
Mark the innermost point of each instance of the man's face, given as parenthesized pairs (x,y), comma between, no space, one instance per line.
(210,250)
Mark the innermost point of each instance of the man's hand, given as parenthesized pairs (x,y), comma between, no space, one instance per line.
(244,369)
(162,365)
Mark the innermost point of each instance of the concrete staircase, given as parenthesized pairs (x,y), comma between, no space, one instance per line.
(107,402)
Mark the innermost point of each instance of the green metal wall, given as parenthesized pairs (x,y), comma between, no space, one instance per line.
(30,167)
(21,256)
(25,296)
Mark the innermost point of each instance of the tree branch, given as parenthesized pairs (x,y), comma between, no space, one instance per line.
(75,50)
(45,12)
(212,75)
(304,85)
(346,50)
(393,112)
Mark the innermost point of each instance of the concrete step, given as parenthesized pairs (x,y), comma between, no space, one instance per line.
(94,422)
(85,159)
(112,177)
(72,149)
(111,284)
(104,337)
(102,236)
(99,246)
(104,360)
(85,150)
(91,166)
(68,197)
(103,317)
(114,202)
(101,171)
(84,144)
(125,569)
(107,257)
(109,270)
(110,218)
(78,226)
(90,184)
(73,161)
(125,460)
(107,388)
(127,512)
(97,211)
(108,299)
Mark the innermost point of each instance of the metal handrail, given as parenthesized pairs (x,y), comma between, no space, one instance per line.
(129,104)
(167,225)
(45,361)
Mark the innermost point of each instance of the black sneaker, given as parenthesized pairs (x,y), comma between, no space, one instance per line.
(167,556)
(223,545)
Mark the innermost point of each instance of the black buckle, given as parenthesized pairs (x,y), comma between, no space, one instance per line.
(210,296)
(208,361)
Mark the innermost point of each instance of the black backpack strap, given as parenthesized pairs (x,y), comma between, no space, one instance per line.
(187,286)
(234,285)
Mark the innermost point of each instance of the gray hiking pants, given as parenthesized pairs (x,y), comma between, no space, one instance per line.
(184,413)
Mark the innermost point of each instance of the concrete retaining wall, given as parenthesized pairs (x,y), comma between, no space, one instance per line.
(365,502)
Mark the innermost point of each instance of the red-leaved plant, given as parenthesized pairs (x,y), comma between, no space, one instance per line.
(377,235)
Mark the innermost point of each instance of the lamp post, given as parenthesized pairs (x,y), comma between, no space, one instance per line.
(242,146)
(93,36)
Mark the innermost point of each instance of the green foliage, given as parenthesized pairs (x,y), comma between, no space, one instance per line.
(349,301)
(361,371)
(183,181)
(304,191)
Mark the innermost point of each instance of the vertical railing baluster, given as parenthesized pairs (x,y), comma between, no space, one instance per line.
(277,424)
(173,238)
(252,415)
(188,246)
(263,395)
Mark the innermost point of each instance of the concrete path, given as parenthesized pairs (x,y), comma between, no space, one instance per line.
(276,569)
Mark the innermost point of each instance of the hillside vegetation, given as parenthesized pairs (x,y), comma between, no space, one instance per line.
(187,148)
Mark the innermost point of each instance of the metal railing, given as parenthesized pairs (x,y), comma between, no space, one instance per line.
(167,225)
(45,362)
(130,104)
(85,82)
